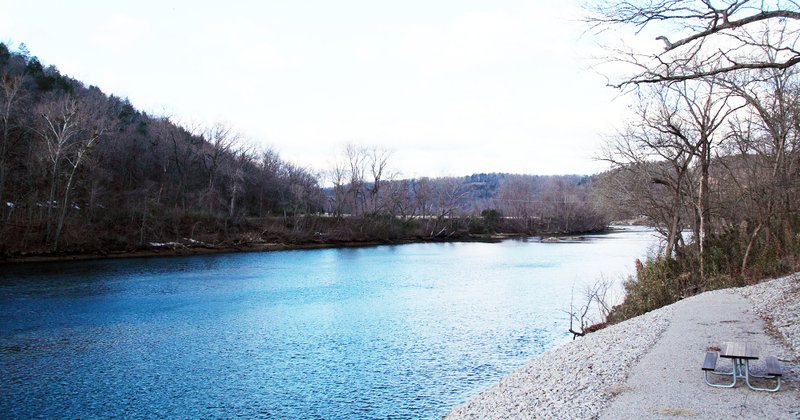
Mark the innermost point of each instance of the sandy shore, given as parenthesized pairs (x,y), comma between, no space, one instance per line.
(649,366)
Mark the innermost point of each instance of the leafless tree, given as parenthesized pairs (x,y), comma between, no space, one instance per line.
(270,167)
(242,159)
(700,38)
(517,199)
(356,165)
(377,159)
(667,149)
(423,195)
(765,145)
(704,109)
(338,177)
(593,311)
(359,176)
(448,199)
(10,94)
(398,199)
(69,129)
(221,140)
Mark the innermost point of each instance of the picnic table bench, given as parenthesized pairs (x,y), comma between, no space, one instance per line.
(741,354)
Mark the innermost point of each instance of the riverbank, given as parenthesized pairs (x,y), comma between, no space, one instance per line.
(188,249)
(170,250)
(649,366)
(265,234)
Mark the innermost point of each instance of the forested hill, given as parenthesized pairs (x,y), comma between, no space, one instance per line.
(82,171)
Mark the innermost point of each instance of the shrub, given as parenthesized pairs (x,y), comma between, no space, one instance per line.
(655,285)
(660,281)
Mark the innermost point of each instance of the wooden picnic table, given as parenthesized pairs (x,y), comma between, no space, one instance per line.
(739,350)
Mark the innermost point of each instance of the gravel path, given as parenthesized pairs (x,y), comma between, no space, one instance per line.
(649,366)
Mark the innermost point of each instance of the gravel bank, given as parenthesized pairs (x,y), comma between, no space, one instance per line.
(778,302)
(571,381)
(582,378)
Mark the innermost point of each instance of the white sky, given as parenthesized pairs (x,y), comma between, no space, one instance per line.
(453,87)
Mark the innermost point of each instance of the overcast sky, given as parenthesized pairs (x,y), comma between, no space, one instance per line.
(453,87)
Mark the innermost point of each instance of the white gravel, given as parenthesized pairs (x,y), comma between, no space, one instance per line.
(582,378)
(571,381)
(778,302)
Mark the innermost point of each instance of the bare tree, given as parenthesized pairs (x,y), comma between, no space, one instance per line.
(593,313)
(423,195)
(700,38)
(220,142)
(176,154)
(675,131)
(704,107)
(362,172)
(448,199)
(69,129)
(560,205)
(378,160)
(355,161)
(338,176)
(10,94)
(765,142)
(270,167)
(242,159)
(517,199)
(398,199)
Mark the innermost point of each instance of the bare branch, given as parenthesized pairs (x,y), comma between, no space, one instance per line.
(702,38)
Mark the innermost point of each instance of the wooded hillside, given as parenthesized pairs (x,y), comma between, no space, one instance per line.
(85,172)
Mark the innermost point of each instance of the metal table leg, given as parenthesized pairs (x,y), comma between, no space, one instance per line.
(734,374)
(748,376)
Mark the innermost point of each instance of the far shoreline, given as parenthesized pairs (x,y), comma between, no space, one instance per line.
(192,250)
(185,251)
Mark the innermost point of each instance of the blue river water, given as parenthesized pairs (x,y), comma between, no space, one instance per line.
(403,331)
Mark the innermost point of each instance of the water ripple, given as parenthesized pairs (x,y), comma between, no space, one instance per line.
(384,332)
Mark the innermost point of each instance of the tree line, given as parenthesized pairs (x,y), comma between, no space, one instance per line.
(363,184)
(82,171)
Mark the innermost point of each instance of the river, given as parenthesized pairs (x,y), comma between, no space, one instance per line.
(404,331)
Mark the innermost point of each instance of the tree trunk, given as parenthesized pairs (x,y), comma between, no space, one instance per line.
(65,205)
(703,203)
(50,199)
(750,243)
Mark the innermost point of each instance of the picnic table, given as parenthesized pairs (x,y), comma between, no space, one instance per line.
(741,354)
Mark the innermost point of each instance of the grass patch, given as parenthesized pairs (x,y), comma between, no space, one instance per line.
(675,412)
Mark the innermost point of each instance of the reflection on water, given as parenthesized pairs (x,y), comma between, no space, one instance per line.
(404,331)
